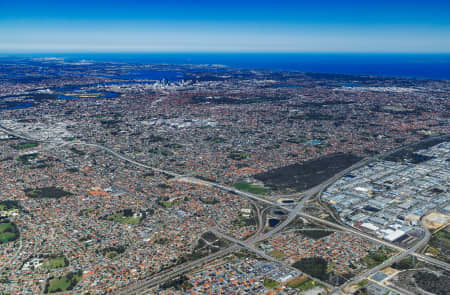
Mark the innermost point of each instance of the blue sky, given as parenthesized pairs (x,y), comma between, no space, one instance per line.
(225,26)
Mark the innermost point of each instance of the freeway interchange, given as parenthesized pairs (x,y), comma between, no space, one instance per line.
(260,235)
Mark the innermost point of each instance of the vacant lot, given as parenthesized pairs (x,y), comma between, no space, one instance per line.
(300,177)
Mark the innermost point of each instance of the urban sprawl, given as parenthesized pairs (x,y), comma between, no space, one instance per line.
(128,178)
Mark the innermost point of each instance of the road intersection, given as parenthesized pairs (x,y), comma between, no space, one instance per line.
(259,236)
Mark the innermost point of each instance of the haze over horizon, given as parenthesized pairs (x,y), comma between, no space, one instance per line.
(234,26)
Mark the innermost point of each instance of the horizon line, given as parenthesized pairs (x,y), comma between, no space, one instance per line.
(224,52)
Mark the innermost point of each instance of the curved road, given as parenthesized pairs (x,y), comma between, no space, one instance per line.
(293,213)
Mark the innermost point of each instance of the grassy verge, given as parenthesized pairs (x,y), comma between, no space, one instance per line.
(251,188)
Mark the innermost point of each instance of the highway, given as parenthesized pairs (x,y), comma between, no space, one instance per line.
(165,276)
(249,247)
(293,213)
(390,261)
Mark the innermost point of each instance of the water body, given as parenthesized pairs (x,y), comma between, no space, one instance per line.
(102,95)
(151,75)
(287,201)
(15,105)
(431,66)
(273,222)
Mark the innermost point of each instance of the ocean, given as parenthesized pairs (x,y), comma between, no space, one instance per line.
(429,66)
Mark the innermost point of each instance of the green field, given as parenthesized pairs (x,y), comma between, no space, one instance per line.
(270,284)
(64,283)
(165,204)
(8,232)
(26,145)
(57,262)
(251,188)
(118,217)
